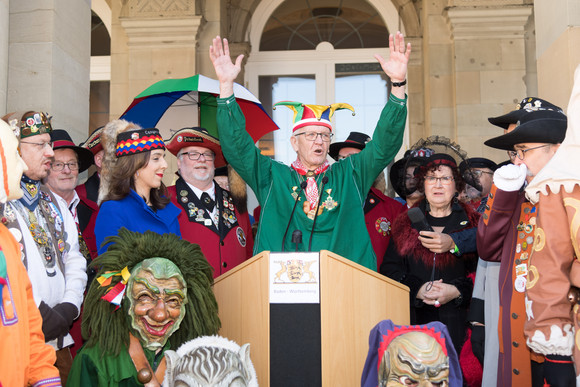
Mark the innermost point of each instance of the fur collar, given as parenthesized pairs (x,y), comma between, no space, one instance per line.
(406,238)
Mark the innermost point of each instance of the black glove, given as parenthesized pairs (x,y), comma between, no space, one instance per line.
(478,341)
(559,371)
(56,321)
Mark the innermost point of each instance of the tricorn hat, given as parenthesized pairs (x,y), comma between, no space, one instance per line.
(526,105)
(320,115)
(62,140)
(354,140)
(93,143)
(542,126)
(196,137)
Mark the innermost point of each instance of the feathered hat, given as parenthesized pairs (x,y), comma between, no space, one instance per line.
(313,114)
(103,324)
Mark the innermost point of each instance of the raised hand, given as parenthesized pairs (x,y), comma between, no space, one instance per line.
(225,69)
(396,66)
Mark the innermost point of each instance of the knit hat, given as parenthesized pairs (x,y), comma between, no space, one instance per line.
(320,115)
(354,140)
(196,137)
(62,140)
(138,141)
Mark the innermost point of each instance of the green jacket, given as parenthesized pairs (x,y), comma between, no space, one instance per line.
(340,227)
(91,368)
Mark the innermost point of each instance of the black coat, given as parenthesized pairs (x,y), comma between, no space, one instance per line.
(411,264)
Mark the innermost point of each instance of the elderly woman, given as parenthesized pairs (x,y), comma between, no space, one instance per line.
(430,263)
(132,194)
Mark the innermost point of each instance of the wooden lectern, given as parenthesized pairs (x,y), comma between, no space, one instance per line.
(353,299)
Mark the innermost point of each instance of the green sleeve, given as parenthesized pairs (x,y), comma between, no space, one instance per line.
(239,149)
(83,372)
(386,142)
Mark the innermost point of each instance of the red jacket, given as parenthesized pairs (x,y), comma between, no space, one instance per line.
(380,212)
(225,248)
(87,211)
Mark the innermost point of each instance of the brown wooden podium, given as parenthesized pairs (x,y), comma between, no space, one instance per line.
(353,299)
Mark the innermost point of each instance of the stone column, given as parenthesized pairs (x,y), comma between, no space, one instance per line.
(558,43)
(4,34)
(151,41)
(48,60)
(489,67)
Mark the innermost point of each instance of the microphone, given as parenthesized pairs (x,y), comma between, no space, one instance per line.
(324,181)
(302,187)
(297,238)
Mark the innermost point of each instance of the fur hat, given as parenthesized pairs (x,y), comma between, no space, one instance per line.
(109,143)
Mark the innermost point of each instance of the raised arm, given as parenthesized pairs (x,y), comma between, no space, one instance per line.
(225,69)
(396,66)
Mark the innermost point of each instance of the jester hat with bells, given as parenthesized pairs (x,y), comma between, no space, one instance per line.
(109,325)
(319,115)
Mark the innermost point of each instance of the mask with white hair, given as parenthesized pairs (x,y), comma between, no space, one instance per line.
(11,164)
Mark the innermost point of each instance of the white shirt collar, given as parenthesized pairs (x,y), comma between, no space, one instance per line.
(210,191)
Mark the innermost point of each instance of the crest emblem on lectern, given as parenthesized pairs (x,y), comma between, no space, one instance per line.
(295,271)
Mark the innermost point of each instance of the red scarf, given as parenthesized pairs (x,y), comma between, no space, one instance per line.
(312,188)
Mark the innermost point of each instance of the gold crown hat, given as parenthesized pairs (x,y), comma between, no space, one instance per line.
(313,114)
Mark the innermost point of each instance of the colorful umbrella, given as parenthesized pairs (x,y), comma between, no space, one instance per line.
(172,104)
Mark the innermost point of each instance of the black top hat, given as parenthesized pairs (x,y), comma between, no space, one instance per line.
(526,105)
(542,126)
(354,140)
(62,140)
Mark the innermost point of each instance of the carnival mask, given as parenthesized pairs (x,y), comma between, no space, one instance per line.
(13,167)
(414,359)
(157,296)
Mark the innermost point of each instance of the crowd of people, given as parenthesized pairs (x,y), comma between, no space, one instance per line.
(487,249)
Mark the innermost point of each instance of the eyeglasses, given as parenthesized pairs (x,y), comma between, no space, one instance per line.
(521,153)
(58,166)
(196,155)
(312,136)
(478,172)
(41,145)
(445,180)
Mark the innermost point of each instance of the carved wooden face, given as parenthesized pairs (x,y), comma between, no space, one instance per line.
(414,359)
(157,297)
(14,166)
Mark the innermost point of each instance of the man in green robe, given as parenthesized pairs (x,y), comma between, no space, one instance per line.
(152,293)
(341,188)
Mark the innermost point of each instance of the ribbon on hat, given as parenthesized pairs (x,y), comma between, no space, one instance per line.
(115,294)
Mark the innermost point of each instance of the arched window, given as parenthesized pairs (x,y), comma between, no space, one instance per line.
(319,52)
